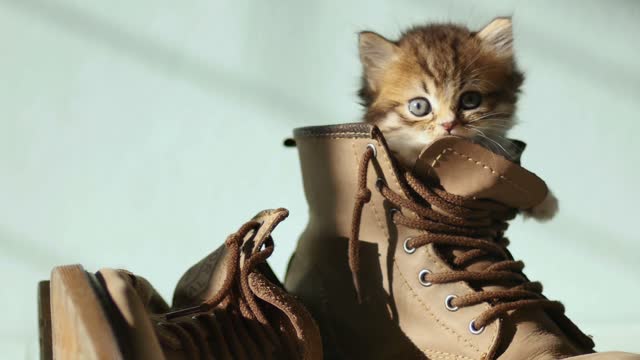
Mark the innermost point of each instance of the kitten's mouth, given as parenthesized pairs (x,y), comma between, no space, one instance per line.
(458,131)
(451,135)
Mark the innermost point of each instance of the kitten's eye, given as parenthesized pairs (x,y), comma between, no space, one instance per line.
(470,100)
(419,106)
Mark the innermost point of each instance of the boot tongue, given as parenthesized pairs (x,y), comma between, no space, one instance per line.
(466,169)
(204,279)
(470,170)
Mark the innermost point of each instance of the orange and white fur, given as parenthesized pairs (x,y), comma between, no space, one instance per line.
(444,79)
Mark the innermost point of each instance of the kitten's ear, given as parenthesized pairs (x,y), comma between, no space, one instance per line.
(376,53)
(499,35)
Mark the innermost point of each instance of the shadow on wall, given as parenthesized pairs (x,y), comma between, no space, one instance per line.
(171,61)
(28,253)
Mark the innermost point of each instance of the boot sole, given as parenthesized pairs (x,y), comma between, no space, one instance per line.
(74,321)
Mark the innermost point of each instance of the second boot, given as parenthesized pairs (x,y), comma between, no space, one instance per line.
(243,314)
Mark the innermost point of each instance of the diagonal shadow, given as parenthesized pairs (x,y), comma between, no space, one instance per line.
(167,59)
(17,247)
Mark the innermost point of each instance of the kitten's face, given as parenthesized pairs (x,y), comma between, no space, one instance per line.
(440,80)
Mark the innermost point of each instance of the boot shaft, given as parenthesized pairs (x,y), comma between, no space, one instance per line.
(400,311)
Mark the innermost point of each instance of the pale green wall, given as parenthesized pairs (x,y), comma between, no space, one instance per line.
(138,134)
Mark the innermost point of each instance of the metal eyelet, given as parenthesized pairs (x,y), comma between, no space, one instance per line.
(473,330)
(447,303)
(405,246)
(379,183)
(373,147)
(421,277)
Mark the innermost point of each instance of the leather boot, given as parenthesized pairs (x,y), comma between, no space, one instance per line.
(246,314)
(415,265)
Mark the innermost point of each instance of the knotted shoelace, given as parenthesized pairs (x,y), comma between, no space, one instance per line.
(475,229)
(232,321)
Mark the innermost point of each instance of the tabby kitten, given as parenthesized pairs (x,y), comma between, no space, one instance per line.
(439,80)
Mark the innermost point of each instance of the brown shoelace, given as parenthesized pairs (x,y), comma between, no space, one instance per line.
(475,229)
(232,321)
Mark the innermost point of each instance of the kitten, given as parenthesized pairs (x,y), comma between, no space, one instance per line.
(439,80)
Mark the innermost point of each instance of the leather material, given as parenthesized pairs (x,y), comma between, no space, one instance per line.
(204,279)
(135,298)
(470,170)
(126,297)
(399,317)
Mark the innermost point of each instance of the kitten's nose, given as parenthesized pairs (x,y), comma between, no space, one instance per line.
(449,125)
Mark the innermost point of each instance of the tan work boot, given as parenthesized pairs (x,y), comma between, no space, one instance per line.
(246,314)
(398,265)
